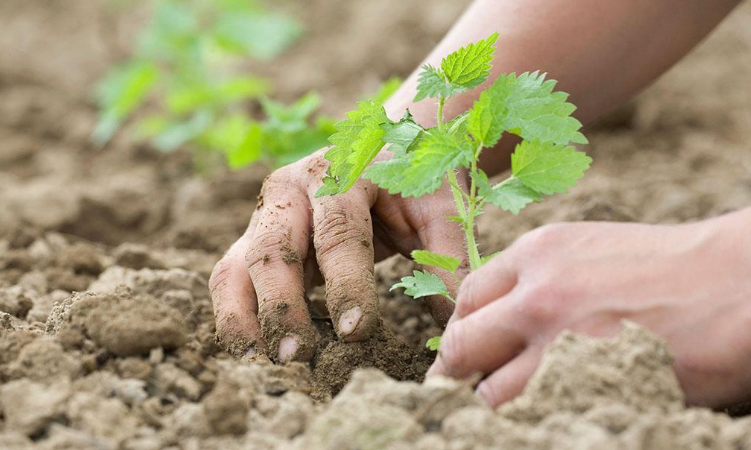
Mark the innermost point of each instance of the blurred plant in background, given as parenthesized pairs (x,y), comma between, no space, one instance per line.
(183,86)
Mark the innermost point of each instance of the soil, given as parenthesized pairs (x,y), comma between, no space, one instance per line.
(106,325)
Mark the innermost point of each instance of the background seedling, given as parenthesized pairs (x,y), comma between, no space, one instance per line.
(423,159)
(186,86)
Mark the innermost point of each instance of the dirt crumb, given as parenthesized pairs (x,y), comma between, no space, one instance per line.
(123,323)
(289,255)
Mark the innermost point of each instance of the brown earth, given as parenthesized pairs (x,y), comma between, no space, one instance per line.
(106,327)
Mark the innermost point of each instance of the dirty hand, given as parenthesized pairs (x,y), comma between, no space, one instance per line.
(690,284)
(259,286)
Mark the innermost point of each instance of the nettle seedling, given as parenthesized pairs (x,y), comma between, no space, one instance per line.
(544,163)
(188,84)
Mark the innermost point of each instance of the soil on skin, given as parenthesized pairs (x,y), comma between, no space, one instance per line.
(106,324)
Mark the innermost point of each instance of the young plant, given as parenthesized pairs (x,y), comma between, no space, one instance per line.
(187,75)
(526,105)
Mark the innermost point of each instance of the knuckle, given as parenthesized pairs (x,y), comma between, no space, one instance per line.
(264,245)
(543,302)
(336,231)
(452,348)
(542,239)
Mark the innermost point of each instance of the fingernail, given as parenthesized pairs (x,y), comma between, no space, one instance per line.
(288,346)
(349,320)
(482,393)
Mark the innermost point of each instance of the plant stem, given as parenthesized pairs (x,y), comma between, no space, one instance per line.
(441,104)
(469,224)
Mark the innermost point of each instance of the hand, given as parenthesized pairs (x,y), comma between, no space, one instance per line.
(690,284)
(258,288)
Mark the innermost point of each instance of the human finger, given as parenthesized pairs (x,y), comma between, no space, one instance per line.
(237,327)
(343,241)
(274,261)
(481,342)
(509,381)
(492,281)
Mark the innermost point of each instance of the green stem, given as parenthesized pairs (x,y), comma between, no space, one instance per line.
(441,104)
(469,224)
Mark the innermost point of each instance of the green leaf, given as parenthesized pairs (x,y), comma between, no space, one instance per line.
(548,168)
(422,284)
(444,262)
(535,111)
(432,83)
(180,133)
(256,33)
(120,93)
(420,172)
(511,195)
(292,118)
(401,135)
(241,88)
(357,141)
(488,116)
(470,66)
(388,174)
(247,148)
(434,343)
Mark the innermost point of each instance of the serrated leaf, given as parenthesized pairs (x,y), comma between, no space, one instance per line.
(434,343)
(357,141)
(420,172)
(470,66)
(388,174)
(444,262)
(432,83)
(292,118)
(548,168)
(421,284)
(511,195)
(488,116)
(401,135)
(535,111)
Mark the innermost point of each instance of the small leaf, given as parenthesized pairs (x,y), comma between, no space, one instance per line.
(255,33)
(281,118)
(470,66)
(357,141)
(444,262)
(401,135)
(120,93)
(548,168)
(434,343)
(535,111)
(432,83)
(511,195)
(421,172)
(487,117)
(422,284)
